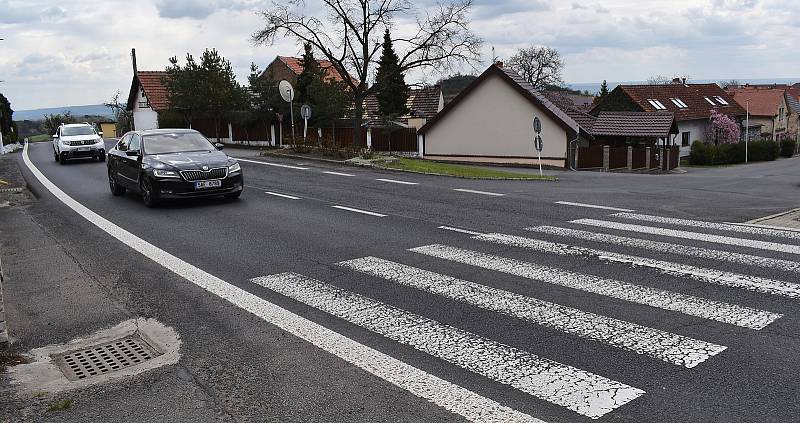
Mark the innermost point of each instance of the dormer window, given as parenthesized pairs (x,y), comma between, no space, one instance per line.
(710,101)
(721,100)
(657,104)
(678,102)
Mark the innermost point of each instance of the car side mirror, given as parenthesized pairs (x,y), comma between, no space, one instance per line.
(219,146)
(100,133)
(132,153)
(55,136)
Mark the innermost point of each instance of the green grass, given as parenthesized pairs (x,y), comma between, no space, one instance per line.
(425,166)
(60,405)
(40,138)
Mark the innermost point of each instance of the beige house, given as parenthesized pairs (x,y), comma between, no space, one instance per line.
(772,108)
(491,121)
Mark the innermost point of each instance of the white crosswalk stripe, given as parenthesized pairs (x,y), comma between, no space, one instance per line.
(585,393)
(672,249)
(687,304)
(672,348)
(753,230)
(736,280)
(696,236)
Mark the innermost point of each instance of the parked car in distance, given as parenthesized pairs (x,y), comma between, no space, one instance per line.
(172,163)
(78,141)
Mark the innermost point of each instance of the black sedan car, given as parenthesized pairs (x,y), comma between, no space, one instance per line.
(172,163)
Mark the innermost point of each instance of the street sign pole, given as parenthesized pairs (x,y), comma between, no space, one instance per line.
(305,112)
(538,143)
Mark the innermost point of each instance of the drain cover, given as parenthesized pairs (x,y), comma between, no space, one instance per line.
(105,358)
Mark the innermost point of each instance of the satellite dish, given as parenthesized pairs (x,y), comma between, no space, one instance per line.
(287,92)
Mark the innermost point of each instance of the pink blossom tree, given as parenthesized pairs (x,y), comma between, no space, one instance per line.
(721,129)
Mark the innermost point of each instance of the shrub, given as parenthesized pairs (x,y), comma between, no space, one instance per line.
(760,151)
(788,147)
(709,154)
(700,154)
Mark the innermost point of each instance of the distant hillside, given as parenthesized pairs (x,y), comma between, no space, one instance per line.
(77,112)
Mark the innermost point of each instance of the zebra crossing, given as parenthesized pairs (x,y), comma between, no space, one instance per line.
(583,391)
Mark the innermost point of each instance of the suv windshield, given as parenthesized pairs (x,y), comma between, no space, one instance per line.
(77,130)
(176,143)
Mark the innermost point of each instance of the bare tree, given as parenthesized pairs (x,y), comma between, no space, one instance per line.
(666,80)
(123,116)
(352,35)
(540,66)
(731,83)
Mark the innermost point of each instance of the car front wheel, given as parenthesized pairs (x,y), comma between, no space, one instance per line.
(149,196)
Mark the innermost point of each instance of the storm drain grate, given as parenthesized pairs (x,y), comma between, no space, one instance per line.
(105,358)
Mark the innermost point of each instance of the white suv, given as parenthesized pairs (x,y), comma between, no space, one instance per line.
(78,140)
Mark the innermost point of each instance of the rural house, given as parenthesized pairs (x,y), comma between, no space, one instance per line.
(773,111)
(147,97)
(690,103)
(289,68)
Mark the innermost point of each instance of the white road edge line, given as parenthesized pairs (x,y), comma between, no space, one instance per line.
(447,395)
(666,300)
(462,231)
(350,209)
(281,195)
(272,164)
(665,247)
(695,236)
(745,229)
(718,277)
(472,191)
(395,181)
(669,347)
(337,173)
(583,392)
(593,206)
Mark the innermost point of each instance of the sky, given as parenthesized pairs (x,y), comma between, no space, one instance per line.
(67,52)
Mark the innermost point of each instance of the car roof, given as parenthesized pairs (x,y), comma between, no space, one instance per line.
(166,131)
(72,125)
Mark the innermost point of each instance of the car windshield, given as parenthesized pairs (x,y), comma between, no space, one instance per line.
(77,130)
(176,143)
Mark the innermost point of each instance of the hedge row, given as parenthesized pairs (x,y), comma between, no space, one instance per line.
(758,151)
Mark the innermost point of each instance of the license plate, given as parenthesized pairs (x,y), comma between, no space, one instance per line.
(84,149)
(207,184)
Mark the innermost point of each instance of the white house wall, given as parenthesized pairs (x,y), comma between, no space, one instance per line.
(495,122)
(143,117)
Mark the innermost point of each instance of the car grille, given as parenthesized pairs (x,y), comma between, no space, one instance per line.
(199,175)
(84,142)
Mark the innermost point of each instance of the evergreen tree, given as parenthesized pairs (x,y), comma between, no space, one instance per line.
(6,120)
(311,72)
(603,89)
(390,84)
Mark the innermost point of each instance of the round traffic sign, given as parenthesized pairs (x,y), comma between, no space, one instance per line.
(286,90)
(537,125)
(305,111)
(538,143)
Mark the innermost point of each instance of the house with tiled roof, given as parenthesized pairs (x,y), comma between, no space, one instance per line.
(289,68)
(147,97)
(423,104)
(691,104)
(775,110)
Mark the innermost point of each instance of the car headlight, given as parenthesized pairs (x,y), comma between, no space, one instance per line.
(161,173)
(234,168)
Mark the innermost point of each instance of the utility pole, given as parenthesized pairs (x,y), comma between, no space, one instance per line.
(747,130)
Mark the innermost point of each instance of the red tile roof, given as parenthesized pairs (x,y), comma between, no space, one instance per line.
(154,88)
(693,95)
(635,124)
(422,102)
(296,65)
(763,102)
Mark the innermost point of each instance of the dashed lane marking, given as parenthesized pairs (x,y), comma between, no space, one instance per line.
(338,173)
(472,191)
(592,206)
(273,164)
(585,393)
(672,348)
(447,395)
(350,209)
(461,231)
(645,295)
(291,197)
(395,181)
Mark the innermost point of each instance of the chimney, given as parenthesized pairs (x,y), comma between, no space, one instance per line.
(684,81)
(677,81)
(133,60)
(499,64)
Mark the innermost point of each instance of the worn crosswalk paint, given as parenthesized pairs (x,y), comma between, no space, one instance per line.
(585,393)
(672,249)
(696,236)
(753,230)
(672,348)
(687,304)
(719,277)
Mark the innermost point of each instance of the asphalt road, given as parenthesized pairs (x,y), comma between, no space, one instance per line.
(689,345)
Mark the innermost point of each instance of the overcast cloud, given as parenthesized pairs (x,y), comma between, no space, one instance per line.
(60,53)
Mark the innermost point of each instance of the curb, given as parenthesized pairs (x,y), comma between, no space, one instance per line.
(3,324)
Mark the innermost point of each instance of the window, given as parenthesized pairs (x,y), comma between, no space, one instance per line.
(77,130)
(678,102)
(122,145)
(780,114)
(721,100)
(136,142)
(710,101)
(177,143)
(657,104)
(685,136)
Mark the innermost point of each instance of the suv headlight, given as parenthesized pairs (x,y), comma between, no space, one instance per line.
(234,168)
(161,173)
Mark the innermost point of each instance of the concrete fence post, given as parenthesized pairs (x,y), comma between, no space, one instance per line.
(647,158)
(630,158)
(230,133)
(420,145)
(577,149)
(272,135)
(369,138)
(606,157)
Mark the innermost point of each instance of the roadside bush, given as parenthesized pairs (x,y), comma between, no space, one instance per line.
(709,154)
(761,151)
(700,154)
(788,147)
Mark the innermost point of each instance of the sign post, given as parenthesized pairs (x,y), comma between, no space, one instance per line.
(287,93)
(305,112)
(537,141)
